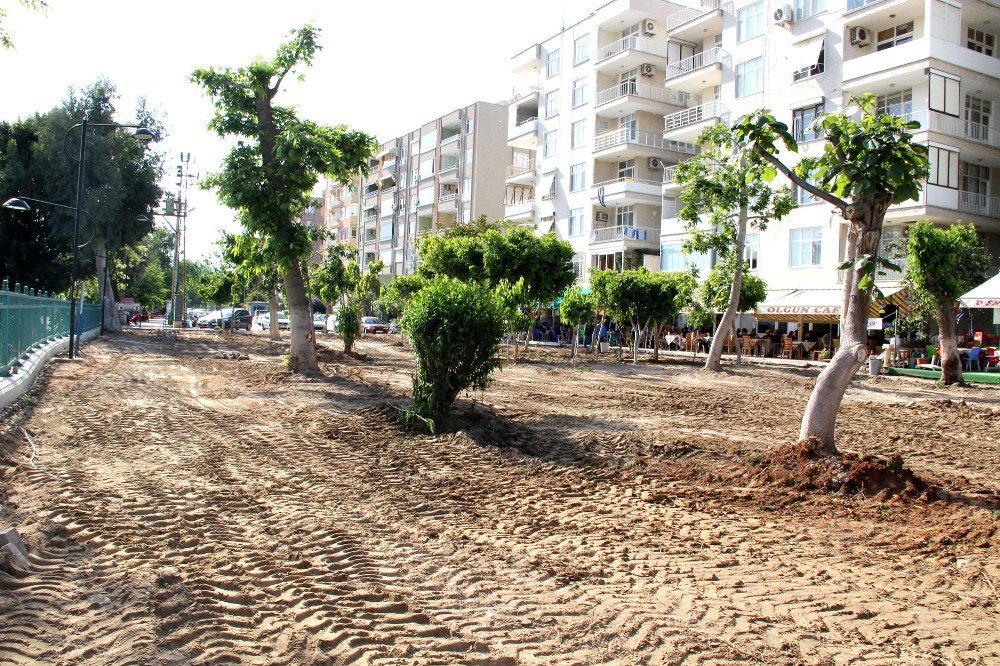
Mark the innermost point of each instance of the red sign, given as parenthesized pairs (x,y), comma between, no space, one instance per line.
(985,303)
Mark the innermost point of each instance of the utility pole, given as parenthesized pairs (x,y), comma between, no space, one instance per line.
(180,211)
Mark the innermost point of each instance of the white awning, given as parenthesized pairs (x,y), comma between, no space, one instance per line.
(806,54)
(817,306)
(986,295)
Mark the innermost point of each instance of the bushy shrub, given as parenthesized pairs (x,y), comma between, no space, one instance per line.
(455,329)
(349,323)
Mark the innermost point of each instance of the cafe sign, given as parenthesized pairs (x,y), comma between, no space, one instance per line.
(983,303)
(831,310)
(875,324)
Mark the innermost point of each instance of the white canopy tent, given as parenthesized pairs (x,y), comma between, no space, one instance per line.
(986,295)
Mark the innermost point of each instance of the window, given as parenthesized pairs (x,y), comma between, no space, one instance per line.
(816,66)
(577,135)
(807,8)
(806,247)
(552,64)
(975,178)
(802,123)
(581,49)
(626,169)
(943,167)
(551,103)
(899,104)
(630,124)
(579,92)
(981,42)
(890,37)
(579,263)
(978,114)
(750,77)
(577,177)
(575,221)
(750,21)
(548,188)
(633,29)
(549,144)
(470,125)
(627,82)
(673,258)
(427,168)
(428,141)
(625,216)
(751,251)
(945,93)
(803,197)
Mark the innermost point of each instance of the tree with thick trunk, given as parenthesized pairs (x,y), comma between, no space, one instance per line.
(942,264)
(112,322)
(733,184)
(273,327)
(867,165)
(269,175)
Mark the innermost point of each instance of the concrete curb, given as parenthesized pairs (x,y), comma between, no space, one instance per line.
(13,387)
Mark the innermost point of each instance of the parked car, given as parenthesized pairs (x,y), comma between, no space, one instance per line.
(319,321)
(262,321)
(226,318)
(331,324)
(373,325)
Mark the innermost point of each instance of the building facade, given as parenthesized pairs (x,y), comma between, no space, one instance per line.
(447,172)
(614,102)
(342,204)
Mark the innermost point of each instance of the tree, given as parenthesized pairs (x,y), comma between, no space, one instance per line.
(255,271)
(637,296)
(5,39)
(866,166)
(456,328)
(269,175)
(219,286)
(673,291)
(733,184)
(577,308)
(943,264)
(716,294)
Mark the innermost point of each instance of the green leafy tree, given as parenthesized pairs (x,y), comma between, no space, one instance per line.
(255,271)
(943,264)
(636,296)
(455,328)
(716,293)
(219,287)
(269,175)
(576,309)
(397,294)
(867,165)
(733,184)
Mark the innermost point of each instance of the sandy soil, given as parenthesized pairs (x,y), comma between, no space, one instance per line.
(189,508)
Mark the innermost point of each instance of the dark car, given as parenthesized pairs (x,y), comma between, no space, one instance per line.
(373,325)
(228,318)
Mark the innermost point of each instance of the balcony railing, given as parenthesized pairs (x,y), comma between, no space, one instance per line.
(858,4)
(635,89)
(956,127)
(696,114)
(690,13)
(519,208)
(979,204)
(626,135)
(610,234)
(634,43)
(448,196)
(628,179)
(388,191)
(451,139)
(520,169)
(697,61)
(369,218)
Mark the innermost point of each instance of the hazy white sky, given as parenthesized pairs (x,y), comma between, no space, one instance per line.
(386,67)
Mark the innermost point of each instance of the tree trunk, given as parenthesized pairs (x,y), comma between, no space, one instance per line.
(112,322)
(951,361)
(714,361)
(576,340)
(737,344)
(820,417)
(302,356)
(272,321)
(656,341)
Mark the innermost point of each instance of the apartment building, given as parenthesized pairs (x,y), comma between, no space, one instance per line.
(628,89)
(342,204)
(448,171)
(314,215)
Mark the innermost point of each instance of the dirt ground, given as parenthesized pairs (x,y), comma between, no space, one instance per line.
(183,507)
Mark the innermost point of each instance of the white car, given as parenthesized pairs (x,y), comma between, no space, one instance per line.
(319,321)
(262,321)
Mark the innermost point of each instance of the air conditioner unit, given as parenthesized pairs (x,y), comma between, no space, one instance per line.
(861,36)
(655,163)
(649,27)
(646,69)
(784,15)
(600,217)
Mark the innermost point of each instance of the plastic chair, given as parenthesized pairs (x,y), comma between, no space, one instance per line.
(787,350)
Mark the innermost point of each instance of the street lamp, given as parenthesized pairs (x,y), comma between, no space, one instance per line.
(141,133)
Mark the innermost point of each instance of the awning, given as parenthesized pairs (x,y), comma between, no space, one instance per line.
(806,53)
(818,306)
(986,295)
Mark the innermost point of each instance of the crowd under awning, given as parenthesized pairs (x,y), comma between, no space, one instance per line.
(818,306)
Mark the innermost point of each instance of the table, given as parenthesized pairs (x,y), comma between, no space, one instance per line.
(671,338)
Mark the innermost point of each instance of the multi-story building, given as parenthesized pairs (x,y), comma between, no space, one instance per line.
(314,215)
(627,90)
(447,172)
(343,210)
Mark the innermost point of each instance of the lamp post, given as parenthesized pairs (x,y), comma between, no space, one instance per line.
(141,133)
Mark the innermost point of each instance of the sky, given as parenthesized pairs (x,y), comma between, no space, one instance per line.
(386,67)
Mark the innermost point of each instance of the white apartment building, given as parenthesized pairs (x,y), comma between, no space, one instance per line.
(612,98)
(449,171)
(342,204)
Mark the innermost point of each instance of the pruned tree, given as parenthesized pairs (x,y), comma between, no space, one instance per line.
(732,184)
(943,264)
(716,294)
(636,296)
(867,165)
(576,309)
(269,175)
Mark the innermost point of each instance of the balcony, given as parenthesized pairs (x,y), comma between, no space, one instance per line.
(693,23)
(631,96)
(626,237)
(522,211)
(524,134)
(625,191)
(447,201)
(448,171)
(670,179)
(904,64)
(630,52)
(521,173)
(627,143)
(979,204)
(956,127)
(686,125)
(369,219)
(702,70)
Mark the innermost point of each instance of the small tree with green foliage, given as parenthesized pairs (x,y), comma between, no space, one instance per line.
(455,328)
(636,296)
(717,290)
(576,309)
(944,264)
